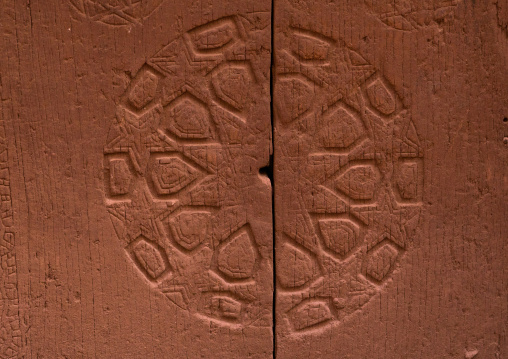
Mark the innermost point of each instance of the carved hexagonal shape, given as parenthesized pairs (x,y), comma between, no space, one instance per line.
(187,117)
(340,236)
(151,259)
(143,90)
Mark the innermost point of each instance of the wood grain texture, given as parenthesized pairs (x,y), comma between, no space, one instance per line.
(390,179)
(143,144)
(135,133)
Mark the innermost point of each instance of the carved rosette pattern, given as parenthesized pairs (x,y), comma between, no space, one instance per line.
(351,157)
(170,185)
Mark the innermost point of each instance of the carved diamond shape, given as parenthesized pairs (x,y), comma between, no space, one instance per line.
(171,174)
(222,307)
(340,129)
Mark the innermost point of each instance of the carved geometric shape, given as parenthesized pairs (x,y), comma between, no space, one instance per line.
(411,136)
(299,227)
(177,294)
(94,8)
(165,59)
(229,124)
(380,97)
(205,193)
(186,164)
(232,84)
(148,119)
(410,15)
(229,308)
(340,236)
(309,313)
(323,200)
(293,97)
(143,90)
(114,20)
(151,258)
(340,129)
(119,176)
(356,59)
(359,182)
(237,258)
(220,306)
(171,174)
(309,47)
(213,36)
(294,267)
(381,261)
(407,180)
(187,117)
(115,12)
(190,229)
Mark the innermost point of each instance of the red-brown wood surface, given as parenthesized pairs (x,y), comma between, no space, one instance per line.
(135,132)
(253,179)
(390,179)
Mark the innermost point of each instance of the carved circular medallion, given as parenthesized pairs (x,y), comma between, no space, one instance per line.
(348,148)
(170,177)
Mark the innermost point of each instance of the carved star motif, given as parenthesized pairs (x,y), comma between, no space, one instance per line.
(138,135)
(387,220)
(140,214)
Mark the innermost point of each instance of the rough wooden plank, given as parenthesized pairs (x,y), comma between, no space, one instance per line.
(135,135)
(135,220)
(390,179)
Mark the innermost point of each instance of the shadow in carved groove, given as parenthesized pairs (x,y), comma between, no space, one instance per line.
(165,191)
(360,163)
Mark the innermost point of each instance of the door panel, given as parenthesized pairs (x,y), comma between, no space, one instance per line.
(389,172)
